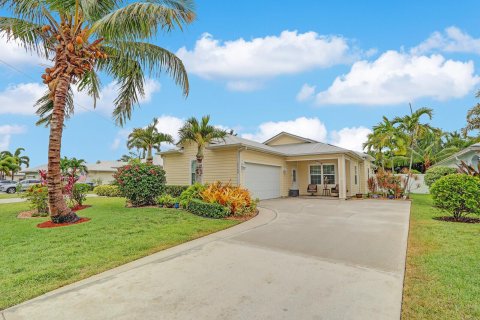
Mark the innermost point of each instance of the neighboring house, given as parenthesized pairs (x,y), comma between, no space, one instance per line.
(471,155)
(102,170)
(273,168)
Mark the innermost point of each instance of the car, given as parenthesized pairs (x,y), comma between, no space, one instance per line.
(11,186)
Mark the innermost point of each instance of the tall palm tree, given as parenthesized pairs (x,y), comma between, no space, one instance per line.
(431,149)
(82,38)
(201,133)
(473,118)
(19,160)
(148,139)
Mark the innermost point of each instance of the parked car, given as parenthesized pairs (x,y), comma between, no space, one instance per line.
(11,186)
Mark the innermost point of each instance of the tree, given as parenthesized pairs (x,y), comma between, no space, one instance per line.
(431,149)
(201,133)
(148,139)
(83,38)
(19,160)
(473,118)
(72,167)
(7,164)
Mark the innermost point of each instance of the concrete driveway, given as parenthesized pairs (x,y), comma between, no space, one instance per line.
(299,259)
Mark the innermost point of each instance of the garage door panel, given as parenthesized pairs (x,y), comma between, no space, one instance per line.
(263,181)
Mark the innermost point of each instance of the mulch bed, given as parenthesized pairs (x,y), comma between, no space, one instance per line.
(460,220)
(50,224)
(242,218)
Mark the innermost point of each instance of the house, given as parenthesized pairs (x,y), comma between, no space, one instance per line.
(281,165)
(470,155)
(98,171)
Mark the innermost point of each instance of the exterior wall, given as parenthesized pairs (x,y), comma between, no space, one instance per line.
(106,177)
(285,139)
(352,187)
(267,159)
(217,165)
(467,157)
(303,174)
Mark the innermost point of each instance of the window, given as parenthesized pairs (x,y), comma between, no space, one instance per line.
(294,175)
(356,175)
(193,170)
(329,174)
(322,174)
(316,174)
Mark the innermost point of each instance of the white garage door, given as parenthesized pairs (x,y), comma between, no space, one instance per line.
(263,181)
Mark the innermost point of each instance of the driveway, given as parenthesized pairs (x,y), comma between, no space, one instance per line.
(299,259)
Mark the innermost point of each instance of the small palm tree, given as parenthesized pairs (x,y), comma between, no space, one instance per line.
(82,38)
(19,160)
(7,165)
(473,118)
(201,133)
(148,139)
(73,166)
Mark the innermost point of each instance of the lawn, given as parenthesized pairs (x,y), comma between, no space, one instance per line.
(442,279)
(4,195)
(34,261)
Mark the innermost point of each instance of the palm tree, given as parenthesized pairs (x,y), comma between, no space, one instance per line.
(19,160)
(148,139)
(7,164)
(473,118)
(72,167)
(431,149)
(82,38)
(201,133)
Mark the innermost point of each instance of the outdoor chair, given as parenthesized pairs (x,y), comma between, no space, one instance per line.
(312,189)
(336,190)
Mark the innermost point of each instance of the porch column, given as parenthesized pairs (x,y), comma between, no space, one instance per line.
(342,178)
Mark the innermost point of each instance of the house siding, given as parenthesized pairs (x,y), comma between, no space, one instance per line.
(281,140)
(218,165)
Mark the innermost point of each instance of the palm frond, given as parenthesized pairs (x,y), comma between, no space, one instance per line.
(44,107)
(27,34)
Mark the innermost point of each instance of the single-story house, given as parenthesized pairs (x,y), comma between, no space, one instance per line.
(100,170)
(470,155)
(275,168)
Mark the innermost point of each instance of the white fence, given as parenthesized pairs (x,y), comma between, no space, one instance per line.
(418,186)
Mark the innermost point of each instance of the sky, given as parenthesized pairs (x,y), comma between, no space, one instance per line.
(326,70)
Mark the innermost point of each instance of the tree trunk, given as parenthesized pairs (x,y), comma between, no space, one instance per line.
(149,155)
(13,175)
(59,211)
(199,170)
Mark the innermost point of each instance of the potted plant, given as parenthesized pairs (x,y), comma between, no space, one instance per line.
(359,195)
(391,194)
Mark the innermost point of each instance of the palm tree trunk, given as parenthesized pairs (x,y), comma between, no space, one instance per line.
(199,170)
(149,155)
(59,211)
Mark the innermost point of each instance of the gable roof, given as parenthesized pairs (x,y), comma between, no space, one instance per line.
(473,147)
(283,133)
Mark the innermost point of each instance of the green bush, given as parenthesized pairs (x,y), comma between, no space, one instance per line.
(458,194)
(167,200)
(141,183)
(37,195)
(107,191)
(79,193)
(175,191)
(435,173)
(192,192)
(209,210)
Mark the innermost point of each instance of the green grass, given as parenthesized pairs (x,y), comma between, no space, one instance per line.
(34,261)
(442,279)
(9,196)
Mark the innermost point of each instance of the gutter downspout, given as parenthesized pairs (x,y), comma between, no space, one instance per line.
(239,164)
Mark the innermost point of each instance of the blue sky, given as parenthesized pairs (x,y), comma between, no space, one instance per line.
(249,60)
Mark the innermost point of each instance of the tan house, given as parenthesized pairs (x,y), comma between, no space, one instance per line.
(285,164)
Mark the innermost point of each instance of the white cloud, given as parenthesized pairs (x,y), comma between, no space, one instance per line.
(397,77)
(306,93)
(15,54)
(311,128)
(6,132)
(350,138)
(451,40)
(244,85)
(170,124)
(261,58)
(21,98)
(121,136)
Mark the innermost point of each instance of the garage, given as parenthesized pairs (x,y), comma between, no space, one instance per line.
(263,181)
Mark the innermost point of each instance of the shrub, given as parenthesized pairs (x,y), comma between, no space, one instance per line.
(175,191)
(79,193)
(457,194)
(435,173)
(141,183)
(107,191)
(389,183)
(237,199)
(192,192)
(37,195)
(167,201)
(209,210)
(372,184)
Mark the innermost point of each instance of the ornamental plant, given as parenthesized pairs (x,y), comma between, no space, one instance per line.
(237,199)
(457,194)
(435,173)
(141,183)
(37,195)
(79,193)
(192,192)
(107,191)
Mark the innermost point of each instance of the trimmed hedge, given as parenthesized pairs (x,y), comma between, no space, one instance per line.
(107,191)
(175,191)
(435,173)
(209,210)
